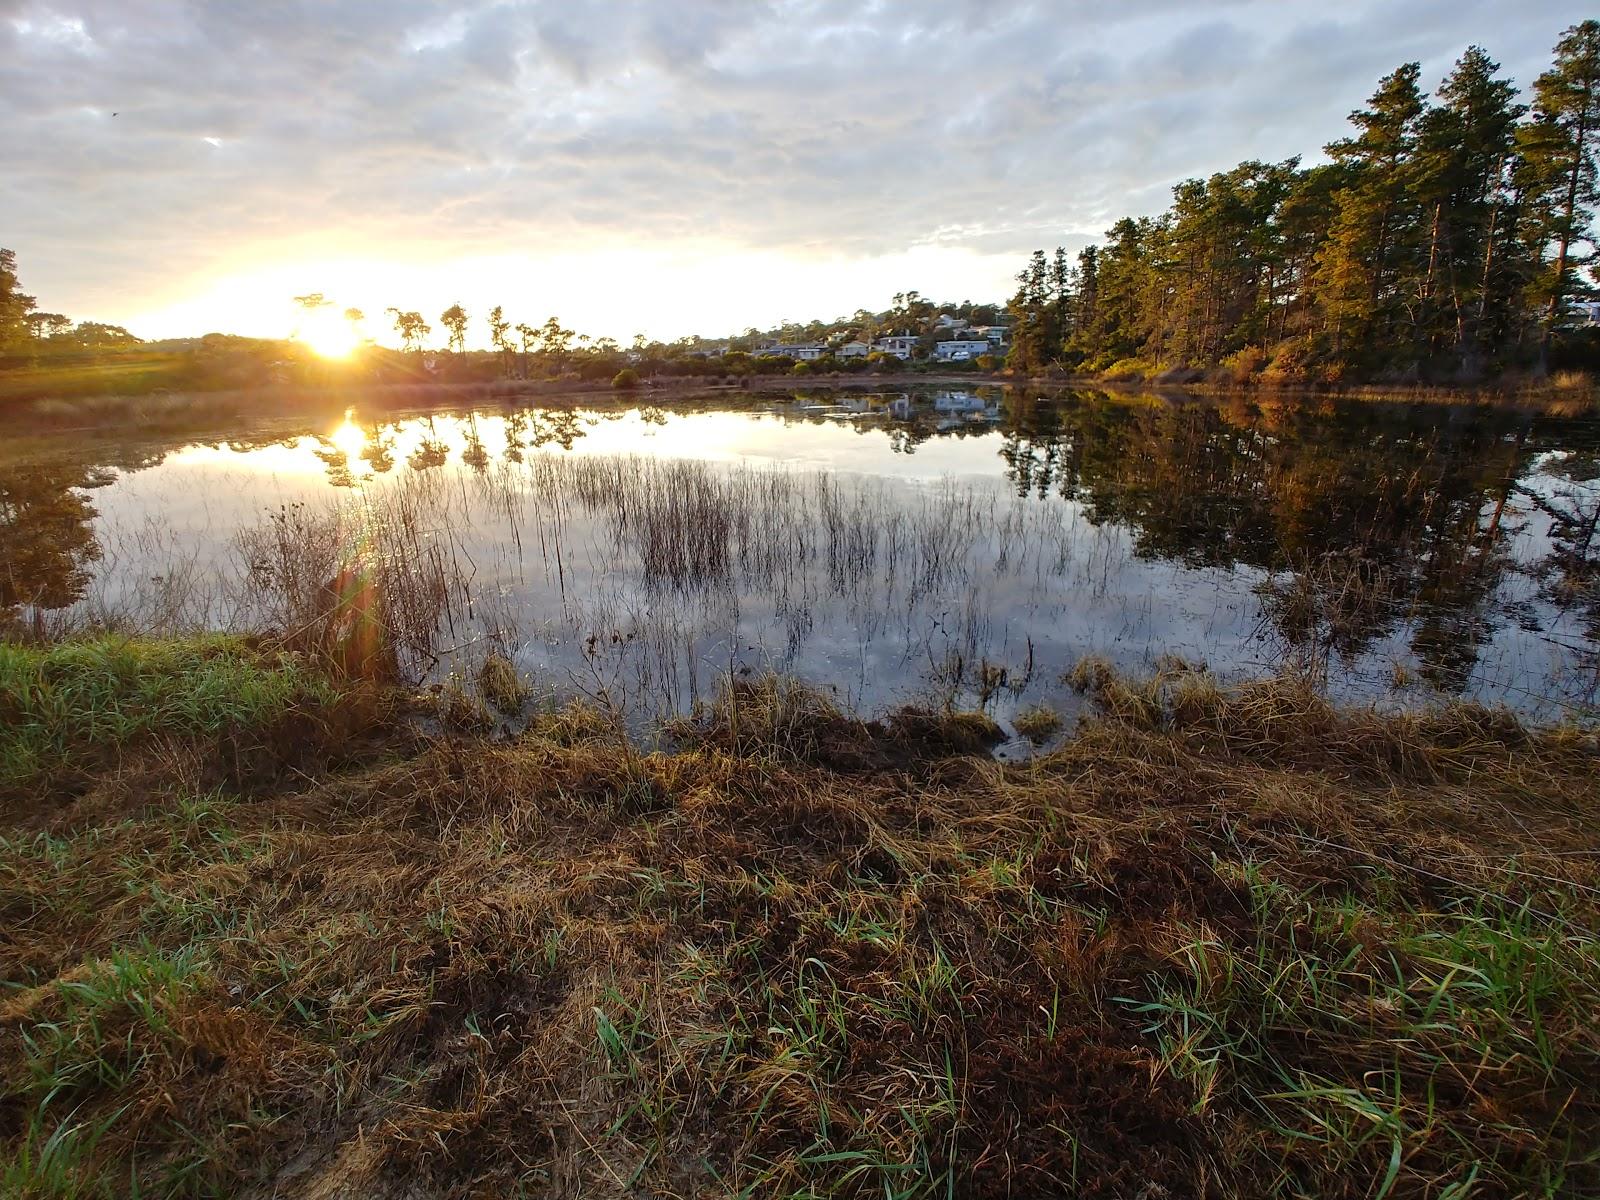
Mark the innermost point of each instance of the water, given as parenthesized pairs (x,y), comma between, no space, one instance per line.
(931,546)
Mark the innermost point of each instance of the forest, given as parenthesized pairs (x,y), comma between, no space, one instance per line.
(1445,240)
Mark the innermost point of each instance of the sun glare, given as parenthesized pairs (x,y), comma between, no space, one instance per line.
(329,334)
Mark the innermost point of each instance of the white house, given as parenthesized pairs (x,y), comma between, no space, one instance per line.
(948,321)
(853,350)
(961,349)
(995,335)
(803,353)
(899,345)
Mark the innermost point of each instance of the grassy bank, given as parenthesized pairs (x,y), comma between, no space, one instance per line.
(274,938)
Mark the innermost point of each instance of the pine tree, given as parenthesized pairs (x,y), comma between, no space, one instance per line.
(1557,166)
(15,307)
(1460,177)
(1372,248)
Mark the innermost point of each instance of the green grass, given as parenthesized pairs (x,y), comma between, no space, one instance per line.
(1357,1033)
(76,703)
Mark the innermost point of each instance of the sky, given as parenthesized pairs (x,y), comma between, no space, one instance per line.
(645,166)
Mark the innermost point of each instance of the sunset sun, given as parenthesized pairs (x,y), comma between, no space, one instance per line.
(329,334)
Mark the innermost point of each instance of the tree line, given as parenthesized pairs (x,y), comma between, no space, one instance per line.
(1445,239)
(25,328)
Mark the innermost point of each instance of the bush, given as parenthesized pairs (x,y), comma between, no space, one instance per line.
(1243,364)
(1291,361)
(800,368)
(625,379)
(1128,370)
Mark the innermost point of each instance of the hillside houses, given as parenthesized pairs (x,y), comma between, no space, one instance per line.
(946,338)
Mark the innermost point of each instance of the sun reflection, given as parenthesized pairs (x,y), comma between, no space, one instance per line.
(349,437)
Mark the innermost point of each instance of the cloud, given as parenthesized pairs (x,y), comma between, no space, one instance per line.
(804,127)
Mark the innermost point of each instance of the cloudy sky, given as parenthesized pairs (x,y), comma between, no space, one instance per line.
(646,165)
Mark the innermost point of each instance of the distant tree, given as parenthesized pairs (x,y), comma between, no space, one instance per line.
(43,324)
(14,305)
(528,337)
(500,339)
(454,320)
(411,327)
(94,335)
(553,339)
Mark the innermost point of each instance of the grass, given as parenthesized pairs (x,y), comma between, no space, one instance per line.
(1226,942)
(1038,723)
(68,706)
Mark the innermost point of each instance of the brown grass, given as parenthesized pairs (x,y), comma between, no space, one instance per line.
(1219,943)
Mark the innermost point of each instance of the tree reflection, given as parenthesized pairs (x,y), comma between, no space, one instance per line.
(1362,516)
(47,541)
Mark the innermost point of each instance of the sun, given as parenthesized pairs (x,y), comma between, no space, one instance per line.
(328,334)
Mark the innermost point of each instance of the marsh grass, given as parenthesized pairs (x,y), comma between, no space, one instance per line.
(74,706)
(1038,723)
(1234,942)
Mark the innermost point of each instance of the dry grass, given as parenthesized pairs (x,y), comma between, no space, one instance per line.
(1219,943)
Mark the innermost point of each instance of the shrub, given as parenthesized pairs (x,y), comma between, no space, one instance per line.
(800,368)
(1243,364)
(1128,370)
(1291,361)
(625,379)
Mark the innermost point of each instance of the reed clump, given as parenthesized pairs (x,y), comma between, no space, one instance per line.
(1038,723)
(1225,941)
(501,685)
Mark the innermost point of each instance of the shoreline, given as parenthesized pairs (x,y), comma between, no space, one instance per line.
(299,944)
(154,410)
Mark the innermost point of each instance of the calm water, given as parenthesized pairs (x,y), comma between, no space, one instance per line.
(925,545)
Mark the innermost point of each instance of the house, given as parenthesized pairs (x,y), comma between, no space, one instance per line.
(961,349)
(852,350)
(1584,312)
(995,335)
(947,321)
(807,352)
(899,345)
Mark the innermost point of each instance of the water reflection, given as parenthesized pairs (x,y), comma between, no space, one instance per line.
(957,536)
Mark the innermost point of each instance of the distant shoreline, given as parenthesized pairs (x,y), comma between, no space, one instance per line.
(56,414)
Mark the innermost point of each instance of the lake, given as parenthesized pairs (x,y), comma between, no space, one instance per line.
(927,545)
